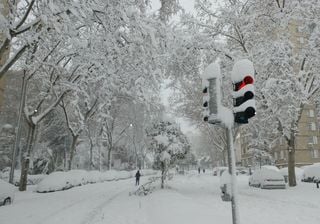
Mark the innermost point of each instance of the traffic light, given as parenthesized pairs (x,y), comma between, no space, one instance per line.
(243,95)
(205,100)
(211,79)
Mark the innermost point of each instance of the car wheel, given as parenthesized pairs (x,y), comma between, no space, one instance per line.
(7,201)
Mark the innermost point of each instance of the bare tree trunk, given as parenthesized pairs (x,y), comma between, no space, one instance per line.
(291,162)
(72,150)
(18,128)
(109,158)
(100,157)
(4,48)
(91,166)
(26,159)
(65,154)
(163,174)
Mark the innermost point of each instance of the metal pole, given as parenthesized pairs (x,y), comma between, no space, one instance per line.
(232,172)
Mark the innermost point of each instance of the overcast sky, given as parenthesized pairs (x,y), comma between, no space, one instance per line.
(186,4)
(188,129)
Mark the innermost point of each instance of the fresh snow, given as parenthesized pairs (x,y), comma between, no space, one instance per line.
(58,181)
(241,69)
(188,199)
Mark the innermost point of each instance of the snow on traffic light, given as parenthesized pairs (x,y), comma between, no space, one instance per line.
(211,79)
(243,95)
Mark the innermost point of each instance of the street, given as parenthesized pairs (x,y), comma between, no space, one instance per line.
(187,199)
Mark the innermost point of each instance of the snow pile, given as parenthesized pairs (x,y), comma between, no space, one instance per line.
(58,181)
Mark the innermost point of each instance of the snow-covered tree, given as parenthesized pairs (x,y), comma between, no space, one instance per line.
(266,33)
(168,144)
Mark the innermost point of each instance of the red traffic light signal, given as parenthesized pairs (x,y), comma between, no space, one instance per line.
(243,95)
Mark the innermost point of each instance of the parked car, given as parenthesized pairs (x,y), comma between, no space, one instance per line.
(6,193)
(242,170)
(269,167)
(217,171)
(267,179)
(311,173)
(298,172)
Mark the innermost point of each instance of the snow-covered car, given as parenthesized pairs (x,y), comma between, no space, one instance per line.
(269,167)
(267,179)
(217,171)
(298,172)
(6,193)
(311,174)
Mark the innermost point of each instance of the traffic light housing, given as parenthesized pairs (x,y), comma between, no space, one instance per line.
(205,100)
(243,95)
(211,79)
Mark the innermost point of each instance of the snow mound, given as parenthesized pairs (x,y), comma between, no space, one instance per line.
(58,181)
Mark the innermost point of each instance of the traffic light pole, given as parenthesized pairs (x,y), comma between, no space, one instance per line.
(232,172)
(244,108)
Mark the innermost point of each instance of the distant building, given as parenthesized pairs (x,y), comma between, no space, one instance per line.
(307,143)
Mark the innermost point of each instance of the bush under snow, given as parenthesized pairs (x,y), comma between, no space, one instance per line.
(58,181)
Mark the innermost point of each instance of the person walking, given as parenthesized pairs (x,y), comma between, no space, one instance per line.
(138,177)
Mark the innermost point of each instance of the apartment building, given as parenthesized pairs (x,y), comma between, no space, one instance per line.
(307,144)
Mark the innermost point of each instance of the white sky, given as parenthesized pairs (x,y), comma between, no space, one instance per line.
(186,4)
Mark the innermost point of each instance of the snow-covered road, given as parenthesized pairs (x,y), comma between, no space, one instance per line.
(189,199)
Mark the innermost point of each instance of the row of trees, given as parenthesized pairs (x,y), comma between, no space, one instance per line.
(282,40)
(90,72)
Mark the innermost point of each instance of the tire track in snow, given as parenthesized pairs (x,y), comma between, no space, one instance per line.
(97,210)
(77,202)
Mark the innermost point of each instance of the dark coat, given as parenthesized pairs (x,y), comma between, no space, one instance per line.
(138,175)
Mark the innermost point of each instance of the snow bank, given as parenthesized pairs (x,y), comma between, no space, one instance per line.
(32,179)
(58,181)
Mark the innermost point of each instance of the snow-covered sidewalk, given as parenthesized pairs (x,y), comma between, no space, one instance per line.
(189,199)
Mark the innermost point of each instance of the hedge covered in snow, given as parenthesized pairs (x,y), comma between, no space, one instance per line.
(58,181)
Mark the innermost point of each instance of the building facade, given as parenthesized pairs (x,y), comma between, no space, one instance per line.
(307,141)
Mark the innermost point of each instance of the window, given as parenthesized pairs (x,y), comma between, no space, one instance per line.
(312,126)
(281,140)
(301,40)
(313,140)
(311,113)
(276,155)
(314,153)
(281,154)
